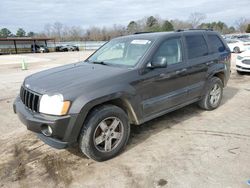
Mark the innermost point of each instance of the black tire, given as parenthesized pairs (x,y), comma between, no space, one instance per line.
(205,103)
(240,72)
(91,126)
(236,49)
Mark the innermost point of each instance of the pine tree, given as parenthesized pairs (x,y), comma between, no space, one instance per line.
(248,28)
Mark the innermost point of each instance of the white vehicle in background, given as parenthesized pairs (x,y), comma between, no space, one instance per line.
(238,45)
(243,62)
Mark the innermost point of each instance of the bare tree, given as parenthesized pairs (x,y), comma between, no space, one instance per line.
(47,30)
(57,30)
(94,33)
(241,24)
(76,33)
(179,24)
(196,18)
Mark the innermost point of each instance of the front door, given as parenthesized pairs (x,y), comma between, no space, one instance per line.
(165,88)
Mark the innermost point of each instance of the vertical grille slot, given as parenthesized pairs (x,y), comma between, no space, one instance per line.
(30,99)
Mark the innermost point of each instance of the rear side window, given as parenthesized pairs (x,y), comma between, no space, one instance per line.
(196,46)
(216,44)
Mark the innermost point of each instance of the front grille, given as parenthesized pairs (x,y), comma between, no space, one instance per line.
(30,99)
(247,62)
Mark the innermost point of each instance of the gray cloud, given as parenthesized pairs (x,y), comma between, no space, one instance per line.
(33,15)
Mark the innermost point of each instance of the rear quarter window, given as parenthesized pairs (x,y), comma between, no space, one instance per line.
(196,46)
(216,44)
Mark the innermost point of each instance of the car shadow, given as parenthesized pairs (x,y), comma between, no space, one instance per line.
(228,93)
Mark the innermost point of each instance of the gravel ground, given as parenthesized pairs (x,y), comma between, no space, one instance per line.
(186,148)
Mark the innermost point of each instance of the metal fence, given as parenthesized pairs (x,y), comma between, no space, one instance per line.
(83,45)
(9,48)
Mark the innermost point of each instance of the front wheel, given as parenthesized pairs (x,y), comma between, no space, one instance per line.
(105,133)
(212,98)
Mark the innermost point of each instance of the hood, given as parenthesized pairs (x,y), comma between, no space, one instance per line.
(63,79)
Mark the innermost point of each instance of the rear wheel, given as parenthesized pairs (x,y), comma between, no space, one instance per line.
(105,133)
(212,98)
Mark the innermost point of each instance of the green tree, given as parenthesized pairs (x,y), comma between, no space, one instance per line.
(248,28)
(152,24)
(5,33)
(132,27)
(151,21)
(231,29)
(167,26)
(217,26)
(20,32)
(31,34)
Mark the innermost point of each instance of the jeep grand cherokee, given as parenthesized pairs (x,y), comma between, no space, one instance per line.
(129,80)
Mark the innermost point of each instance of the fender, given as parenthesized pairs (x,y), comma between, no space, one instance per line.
(84,103)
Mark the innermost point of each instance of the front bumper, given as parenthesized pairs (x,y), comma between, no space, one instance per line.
(242,69)
(35,121)
(240,66)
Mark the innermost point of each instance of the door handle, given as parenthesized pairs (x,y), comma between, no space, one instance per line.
(181,71)
(209,63)
(163,75)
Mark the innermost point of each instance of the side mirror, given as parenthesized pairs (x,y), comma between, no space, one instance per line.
(159,62)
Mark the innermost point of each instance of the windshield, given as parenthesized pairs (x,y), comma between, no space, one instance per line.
(123,52)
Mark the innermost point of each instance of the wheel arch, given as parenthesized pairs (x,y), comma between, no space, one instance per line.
(73,132)
(120,102)
(218,71)
(221,76)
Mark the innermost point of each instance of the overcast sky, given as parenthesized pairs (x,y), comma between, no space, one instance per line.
(34,14)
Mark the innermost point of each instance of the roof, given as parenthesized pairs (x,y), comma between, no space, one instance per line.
(26,39)
(154,35)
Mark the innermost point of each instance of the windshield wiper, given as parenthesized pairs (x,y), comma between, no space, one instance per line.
(99,62)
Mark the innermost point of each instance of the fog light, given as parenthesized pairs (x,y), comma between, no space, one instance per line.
(47,130)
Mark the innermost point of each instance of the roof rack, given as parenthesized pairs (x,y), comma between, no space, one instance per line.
(143,32)
(208,29)
(180,30)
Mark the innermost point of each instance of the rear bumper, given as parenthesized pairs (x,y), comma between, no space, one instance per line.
(36,121)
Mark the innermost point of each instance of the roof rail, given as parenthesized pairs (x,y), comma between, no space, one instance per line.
(208,29)
(143,32)
(180,30)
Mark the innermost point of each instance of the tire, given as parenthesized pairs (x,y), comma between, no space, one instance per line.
(97,133)
(236,49)
(240,72)
(214,92)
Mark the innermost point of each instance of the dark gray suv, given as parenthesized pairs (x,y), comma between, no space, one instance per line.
(129,80)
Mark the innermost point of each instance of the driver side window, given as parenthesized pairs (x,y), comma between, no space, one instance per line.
(171,50)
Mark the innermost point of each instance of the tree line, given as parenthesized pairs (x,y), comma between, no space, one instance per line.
(4,33)
(148,24)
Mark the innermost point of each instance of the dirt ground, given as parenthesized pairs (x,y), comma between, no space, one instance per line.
(186,148)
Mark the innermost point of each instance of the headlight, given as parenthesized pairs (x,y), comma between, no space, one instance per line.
(239,57)
(54,105)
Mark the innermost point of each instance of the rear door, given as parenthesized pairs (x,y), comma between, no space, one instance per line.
(197,53)
(219,54)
